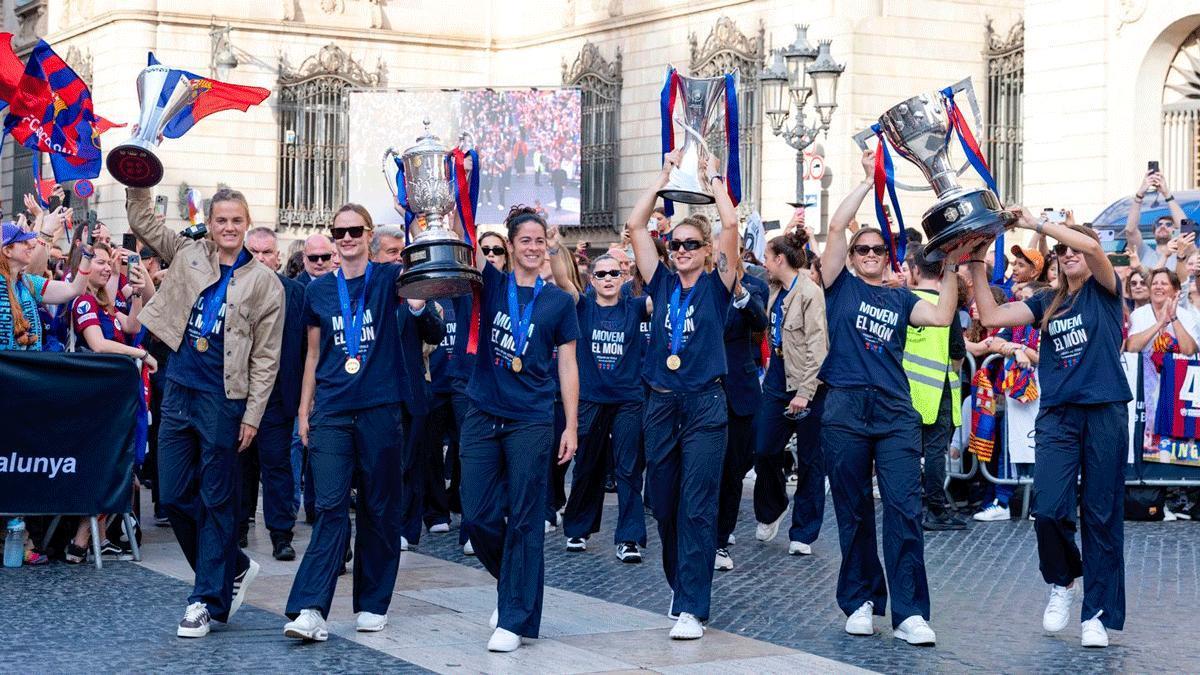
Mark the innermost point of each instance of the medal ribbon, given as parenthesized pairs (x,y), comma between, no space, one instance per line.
(678,314)
(352,325)
(520,330)
(958,124)
(777,315)
(671,88)
(216,299)
(885,181)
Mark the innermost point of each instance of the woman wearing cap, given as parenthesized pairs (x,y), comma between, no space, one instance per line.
(1082,429)
(507,435)
(869,421)
(20,326)
(350,419)
(685,421)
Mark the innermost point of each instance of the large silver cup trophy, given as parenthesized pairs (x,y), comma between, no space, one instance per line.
(437,263)
(703,111)
(919,131)
(134,163)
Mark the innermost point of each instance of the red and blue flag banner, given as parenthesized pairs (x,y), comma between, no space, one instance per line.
(205,97)
(195,206)
(959,126)
(1178,399)
(885,182)
(672,92)
(982,441)
(1019,383)
(11,70)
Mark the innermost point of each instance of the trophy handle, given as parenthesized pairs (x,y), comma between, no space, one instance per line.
(966,87)
(383,166)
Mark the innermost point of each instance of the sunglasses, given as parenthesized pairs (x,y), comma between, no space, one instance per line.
(685,244)
(319,257)
(1134,283)
(600,274)
(863,249)
(1061,250)
(355,232)
(493,250)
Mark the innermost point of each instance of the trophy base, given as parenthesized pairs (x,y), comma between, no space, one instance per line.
(973,218)
(686,196)
(439,268)
(134,166)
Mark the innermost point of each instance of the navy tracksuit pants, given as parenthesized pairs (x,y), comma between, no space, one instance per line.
(739,457)
(461,404)
(556,491)
(865,428)
(1089,442)
(269,459)
(441,432)
(685,448)
(586,503)
(770,488)
(198,469)
(412,495)
(362,448)
(504,475)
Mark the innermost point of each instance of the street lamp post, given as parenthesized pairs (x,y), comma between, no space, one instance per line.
(799,73)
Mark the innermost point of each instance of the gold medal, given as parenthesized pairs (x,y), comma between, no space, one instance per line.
(517,365)
(201,344)
(353,365)
(673,362)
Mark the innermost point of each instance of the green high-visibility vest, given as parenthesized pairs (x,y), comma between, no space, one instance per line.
(927,366)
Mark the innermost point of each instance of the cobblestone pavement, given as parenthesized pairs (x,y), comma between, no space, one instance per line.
(987,597)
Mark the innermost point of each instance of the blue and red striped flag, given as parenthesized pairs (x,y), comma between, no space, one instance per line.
(206,96)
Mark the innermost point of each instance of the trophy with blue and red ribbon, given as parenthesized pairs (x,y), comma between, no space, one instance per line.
(705,102)
(920,130)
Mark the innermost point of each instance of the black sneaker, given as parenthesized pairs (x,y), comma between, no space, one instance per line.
(610,485)
(936,522)
(194,623)
(576,544)
(75,555)
(110,551)
(240,583)
(628,553)
(281,546)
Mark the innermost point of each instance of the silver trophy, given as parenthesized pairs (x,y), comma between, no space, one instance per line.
(134,163)
(703,111)
(437,263)
(919,131)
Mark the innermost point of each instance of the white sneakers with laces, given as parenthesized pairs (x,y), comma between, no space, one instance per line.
(194,623)
(310,625)
(995,512)
(799,548)
(723,562)
(1058,608)
(862,621)
(1093,632)
(767,531)
(504,641)
(687,627)
(367,622)
(915,631)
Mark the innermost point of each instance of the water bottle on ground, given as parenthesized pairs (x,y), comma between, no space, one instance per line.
(14,543)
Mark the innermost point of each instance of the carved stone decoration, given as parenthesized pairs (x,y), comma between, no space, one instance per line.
(1131,11)
(333,6)
(376,11)
(331,60)
(591,62)
(568,13)
(80,62)
(727,38)
(31,16)
(289,10)
(999,44)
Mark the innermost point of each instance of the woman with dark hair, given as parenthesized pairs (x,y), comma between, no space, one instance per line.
(793,398)
(685,420)
(869,421)
(350,419)
(494,247)
(1137,289)
(507,434)
(1082,429)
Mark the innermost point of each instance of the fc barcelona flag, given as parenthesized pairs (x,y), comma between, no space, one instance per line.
(1178,399)
(208,96)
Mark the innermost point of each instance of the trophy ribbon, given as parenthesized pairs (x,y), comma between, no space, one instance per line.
(466,214)
(672,87)
(885,181)
(958,124)
(402,199)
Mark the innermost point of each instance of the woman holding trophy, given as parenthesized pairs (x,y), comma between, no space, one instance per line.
(869,422)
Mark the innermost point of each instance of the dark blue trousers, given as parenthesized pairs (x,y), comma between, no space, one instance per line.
(1088,443)
(739,457)
(556,490)
(272,447)
(363,448)
(770,487)
(198,469)
(412,495)
(864,428)
(685,448)
(441,434)
(601,426)
(461,404)
(504,474)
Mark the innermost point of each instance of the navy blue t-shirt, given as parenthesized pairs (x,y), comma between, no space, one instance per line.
(443,359)
(380,380)
(205,370)
(610,353)
(702,353)
(775,383)
(494,387)
(1079,355)
(867,328)
(462,363)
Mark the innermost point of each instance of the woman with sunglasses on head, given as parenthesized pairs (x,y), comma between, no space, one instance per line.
(350,418)
(684,425)
(1082,428)
(507,437)
(869,423)
(611,396)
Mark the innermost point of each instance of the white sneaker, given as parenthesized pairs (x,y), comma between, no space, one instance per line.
(687,627)
(731,540)
(799,548)
(403,543)
(576,544)
(368,622)
(994,512)
(915,631)
(1169,515)
(308,626)
(240,583)
(194,623)
(495,620)
(767,531)
(1094,633)
(862,621)
(504,641)
(468,549)
(1058,608)
(440,528)
(723,562)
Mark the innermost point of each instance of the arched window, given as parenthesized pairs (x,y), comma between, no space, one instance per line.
(1181,116)
(1003,132)
(314,128)
(725,50)
(599,82)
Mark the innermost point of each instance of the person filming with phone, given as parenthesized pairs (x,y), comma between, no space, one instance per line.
(1165,228)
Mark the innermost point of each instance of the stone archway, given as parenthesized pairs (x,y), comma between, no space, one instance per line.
(1148,99)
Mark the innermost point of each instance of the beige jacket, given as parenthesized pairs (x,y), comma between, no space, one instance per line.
(805,339)
(253,326)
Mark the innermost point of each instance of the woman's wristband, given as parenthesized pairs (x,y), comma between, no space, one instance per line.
(976,260)
(1169,198)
